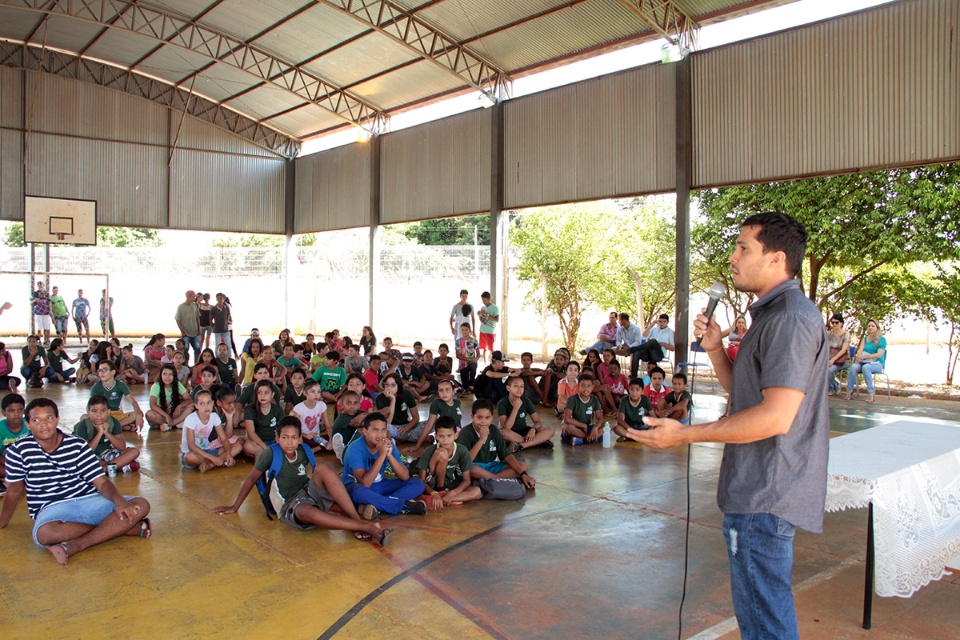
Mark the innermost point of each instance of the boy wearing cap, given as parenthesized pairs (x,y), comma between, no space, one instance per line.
(254,335)
(554,372)
(492,381)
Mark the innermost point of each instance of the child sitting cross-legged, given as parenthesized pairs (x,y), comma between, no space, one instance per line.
(208,380)
(581,417)
(347,423)
(260,419)
(375,475)
(294,393)
(445,467)
(677,403)
(312,413)
(514,411)
(170,403)
(105,436)
(446,404)
(302,497)
(488,450)
(202,431)
(633,407)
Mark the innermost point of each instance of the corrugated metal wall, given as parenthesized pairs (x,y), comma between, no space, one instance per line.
(437,169)
(333,189)
(601,138)
(11,140)
(95,143)
(874,89)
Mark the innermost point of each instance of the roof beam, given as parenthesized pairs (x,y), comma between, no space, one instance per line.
(27,57)
(667,19)
(427,42)
(182,32)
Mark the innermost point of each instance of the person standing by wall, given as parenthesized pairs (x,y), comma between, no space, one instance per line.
(489,317)
(81,313)
(41,310)
(188,319)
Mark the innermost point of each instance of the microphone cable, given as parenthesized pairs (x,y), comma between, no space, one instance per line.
(686,536)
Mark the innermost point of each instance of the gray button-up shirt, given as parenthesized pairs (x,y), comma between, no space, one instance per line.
(784,475)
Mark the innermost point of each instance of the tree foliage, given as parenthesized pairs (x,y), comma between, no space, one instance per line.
(940,302)
(581,253)
(451,231)
(863,228)
(106,237)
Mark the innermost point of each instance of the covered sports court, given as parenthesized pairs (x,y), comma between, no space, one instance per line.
(190,115)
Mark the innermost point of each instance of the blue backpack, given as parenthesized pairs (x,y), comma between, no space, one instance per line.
(266,480)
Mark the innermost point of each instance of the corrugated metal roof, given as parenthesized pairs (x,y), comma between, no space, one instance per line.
(305,120)
(355,56)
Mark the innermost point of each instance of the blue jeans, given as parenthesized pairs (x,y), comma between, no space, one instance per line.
(91,510)
(51,375)
(832,370)
(760,549)
(193,341)
(45,372)
(867,369)
(387,496)
(600,345)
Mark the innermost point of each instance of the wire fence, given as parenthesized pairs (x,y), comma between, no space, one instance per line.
(328,286)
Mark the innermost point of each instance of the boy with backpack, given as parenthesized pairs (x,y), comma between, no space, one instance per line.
(302,492)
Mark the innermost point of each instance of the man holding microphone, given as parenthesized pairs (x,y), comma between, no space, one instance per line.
(773,477)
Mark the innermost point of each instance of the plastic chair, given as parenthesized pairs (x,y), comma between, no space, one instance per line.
(856,384)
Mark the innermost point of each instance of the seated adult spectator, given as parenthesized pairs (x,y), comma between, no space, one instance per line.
(73,504)
(606,337)
(870,360)
(658,337)
(839,343)
(734,335)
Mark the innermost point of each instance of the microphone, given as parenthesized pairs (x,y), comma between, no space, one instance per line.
(716,291)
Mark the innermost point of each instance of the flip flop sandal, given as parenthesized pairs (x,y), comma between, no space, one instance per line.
(384,537)
(363,536)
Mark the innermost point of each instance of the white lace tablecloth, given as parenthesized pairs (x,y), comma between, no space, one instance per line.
(911,473)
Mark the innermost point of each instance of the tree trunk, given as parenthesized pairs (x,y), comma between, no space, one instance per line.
(543,314)
(639,287)
(952,353)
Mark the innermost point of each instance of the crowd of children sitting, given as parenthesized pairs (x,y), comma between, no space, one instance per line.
(285,402)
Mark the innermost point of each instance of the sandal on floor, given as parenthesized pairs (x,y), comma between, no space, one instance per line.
(384,537)
(363,536)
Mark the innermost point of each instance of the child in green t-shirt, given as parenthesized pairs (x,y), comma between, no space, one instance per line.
(488,451)
(677,403)
(12,427)
(581,417)
(260,420)
(105,436)
(633,407)
(306,497)
(445,404)
(445,467)
(514,411)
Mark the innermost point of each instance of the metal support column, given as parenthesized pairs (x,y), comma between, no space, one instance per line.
(374,225)
(289,201)
(684,171)
(497,220)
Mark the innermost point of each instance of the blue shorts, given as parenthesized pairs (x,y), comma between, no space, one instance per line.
(494,467)
(86,510)
(213,452)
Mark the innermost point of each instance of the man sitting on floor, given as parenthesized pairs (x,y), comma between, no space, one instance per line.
(72,502)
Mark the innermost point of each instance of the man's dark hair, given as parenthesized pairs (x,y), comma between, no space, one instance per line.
(663,316)
(660,371)
(625,316)
(464,291)
(780,232)
(41,403)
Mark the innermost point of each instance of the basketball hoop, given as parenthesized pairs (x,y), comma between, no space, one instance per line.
(61,236)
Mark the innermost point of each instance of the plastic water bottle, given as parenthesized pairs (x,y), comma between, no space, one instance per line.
(607,441)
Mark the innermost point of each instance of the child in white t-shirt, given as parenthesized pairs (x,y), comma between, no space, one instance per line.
(313,414)
(199,429)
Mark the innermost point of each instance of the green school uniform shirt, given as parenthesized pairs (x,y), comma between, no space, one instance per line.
(504,408)
(226,370)
(114,395)
(401,410)
(670,400)
(458,464)
(291,396)
(342,426)
(264,425)
(291,477)
(634,414)
(440,408)
(584,411)
(86,430)
(494,449)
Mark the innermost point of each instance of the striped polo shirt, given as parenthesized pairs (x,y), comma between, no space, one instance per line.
(68,472)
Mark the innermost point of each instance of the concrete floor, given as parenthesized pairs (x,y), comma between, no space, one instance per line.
(596,551)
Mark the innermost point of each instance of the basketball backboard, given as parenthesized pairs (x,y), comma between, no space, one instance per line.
(60,221)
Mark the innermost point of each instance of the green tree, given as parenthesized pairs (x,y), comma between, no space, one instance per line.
(106,236)
(940,302)
(858,224)
(581,254)
(451,231)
